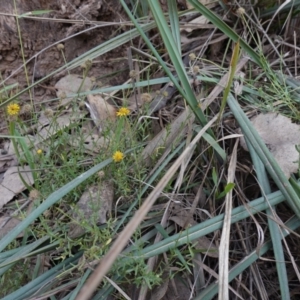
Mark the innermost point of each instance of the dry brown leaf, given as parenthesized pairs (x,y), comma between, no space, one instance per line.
(204,2)
(140,101)
(184,219)
(179,289)
(29,140)
(101,112)
(69,85)
(281,136)
(159,292)
(93,207)
(91,142)
(7,157)
(206,246)
(199,21)
(12,184)
(47,129)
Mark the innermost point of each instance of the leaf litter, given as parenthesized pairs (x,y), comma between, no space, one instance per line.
(92,208)
(12,184)
(71,84)
(96,196)
(281,137)
(93,194)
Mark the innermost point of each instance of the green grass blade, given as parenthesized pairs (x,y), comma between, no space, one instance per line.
(6,264)
(276,235)
(145,83)
(34,13)
(285,9)
(214,144)
(83,279)
(175,57)
(52,199)
(233,63)
(149,183)
(174,22)
(8,88)
(227,30)
(93,53)
(212,290)
(186,91)
(208,226)
(178,254)
(264,154)
(42,280)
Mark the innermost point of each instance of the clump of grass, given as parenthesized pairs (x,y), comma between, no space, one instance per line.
(127,243)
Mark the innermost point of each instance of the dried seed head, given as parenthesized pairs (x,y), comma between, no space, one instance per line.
(87,64)
(62,96)
(146,97)
(47,213)
(240,11)
(26,109)
(34,194)
(48,113)
(81,104)
(165,93)
(84,130)
(192,56)
(60,47)
(101,174)
(133,74)
(196,69)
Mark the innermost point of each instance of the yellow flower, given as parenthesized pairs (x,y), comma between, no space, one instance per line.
(123,112)
(13,109)
(118,156)
(39,151)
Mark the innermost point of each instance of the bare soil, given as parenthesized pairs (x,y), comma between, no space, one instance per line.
(37,35)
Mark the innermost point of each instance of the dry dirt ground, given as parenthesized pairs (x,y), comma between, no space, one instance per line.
(37,35)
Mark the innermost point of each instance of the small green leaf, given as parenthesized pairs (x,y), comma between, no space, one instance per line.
(230,186)
(233,63)
(35,13)
(214,176)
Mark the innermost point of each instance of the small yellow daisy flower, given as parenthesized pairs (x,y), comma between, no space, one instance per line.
(13,109)
(123,112)
(118,156)
(39,151)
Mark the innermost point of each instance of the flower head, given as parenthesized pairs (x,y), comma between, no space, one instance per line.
(240,11)
(133,74)
(196,69)
(34,194)
(60,47)
(123,112)
(39,151)
(26,109)
(48,113)
(118,156)
(13,109)
(192,56)
(146,97)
